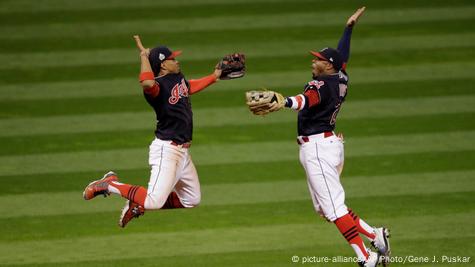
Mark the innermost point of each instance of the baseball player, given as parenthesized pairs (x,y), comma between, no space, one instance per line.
(173,178)
(321,151)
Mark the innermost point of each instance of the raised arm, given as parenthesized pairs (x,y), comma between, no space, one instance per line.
(146,78)
(344,43)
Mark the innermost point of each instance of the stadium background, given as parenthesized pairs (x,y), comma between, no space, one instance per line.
(71,109)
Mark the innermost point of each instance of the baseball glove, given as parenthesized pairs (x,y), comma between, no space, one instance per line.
(264,102)
(233,66)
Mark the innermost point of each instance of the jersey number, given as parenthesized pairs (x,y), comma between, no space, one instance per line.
(335,113)
(343,89)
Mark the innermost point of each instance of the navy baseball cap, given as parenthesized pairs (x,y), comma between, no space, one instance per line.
(160,54)
(331,55)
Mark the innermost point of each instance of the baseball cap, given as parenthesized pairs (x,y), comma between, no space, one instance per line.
(159,54)
(331,55)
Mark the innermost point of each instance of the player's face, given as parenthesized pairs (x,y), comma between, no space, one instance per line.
(171,65)
(320,67)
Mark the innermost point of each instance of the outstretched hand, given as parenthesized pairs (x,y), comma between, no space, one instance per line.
(354,18)
(143,51)
(217,71)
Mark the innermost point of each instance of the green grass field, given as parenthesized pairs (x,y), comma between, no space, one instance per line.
(71,109)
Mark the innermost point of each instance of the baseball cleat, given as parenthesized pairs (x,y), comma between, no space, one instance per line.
(372,261)
(381,243)
(131,210)
(99,187)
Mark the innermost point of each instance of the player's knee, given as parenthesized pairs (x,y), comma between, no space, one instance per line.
(330,217)
(191,202)
(334,214)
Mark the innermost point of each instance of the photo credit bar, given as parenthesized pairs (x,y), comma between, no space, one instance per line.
(408,259)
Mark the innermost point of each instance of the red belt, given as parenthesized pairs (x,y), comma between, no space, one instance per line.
(305,139)
(184,145)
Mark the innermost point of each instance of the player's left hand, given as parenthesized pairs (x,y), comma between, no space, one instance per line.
(354,18)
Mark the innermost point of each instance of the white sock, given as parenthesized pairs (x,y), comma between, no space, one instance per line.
(367,228)
(359,253)
(113,189)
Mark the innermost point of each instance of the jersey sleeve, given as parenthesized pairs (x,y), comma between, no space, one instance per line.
(310,98)
(344,45)
(343,85)
(154,89)
(197,85)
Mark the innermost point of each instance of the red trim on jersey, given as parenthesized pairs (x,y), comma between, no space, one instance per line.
(197,85)
(343,67)
(313,98)
(299,102)
(152,91)
(155,89)
(148,75)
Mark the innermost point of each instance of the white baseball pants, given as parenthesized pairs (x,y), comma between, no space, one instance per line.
(171,170)
(322,158)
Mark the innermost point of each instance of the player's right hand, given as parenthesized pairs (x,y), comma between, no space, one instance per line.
(354,18)
(143,51)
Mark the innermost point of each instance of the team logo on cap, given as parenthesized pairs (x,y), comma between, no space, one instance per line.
(161,56)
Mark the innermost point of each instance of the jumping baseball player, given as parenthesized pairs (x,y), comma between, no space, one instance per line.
(173,179)
(321,151)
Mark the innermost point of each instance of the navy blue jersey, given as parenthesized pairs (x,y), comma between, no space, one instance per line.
(331,90)
(173,109)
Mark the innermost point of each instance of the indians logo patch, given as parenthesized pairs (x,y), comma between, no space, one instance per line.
(316,83)
(179,90)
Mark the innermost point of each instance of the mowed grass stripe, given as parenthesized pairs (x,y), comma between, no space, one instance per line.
(195,10)
(287,236)
(279,131)
(247,193)
(238,37)
(230,173)
(207,117)
(209,216)
(281,257)
(231,153)
(25,6)
(283,79)
(116,10)
(193,51)
(258,65)
(184,25)
(216,98)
